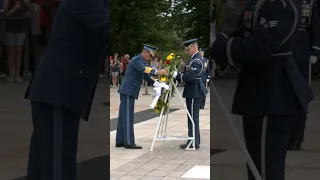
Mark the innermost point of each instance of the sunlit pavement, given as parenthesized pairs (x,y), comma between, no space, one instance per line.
(167,160)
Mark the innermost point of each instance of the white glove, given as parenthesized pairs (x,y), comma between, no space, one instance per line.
(161,85)
(208,80)
(313,59)
(175,73)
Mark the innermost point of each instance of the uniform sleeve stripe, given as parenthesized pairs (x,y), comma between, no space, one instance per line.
(316,47)
(229,56)
(148,70)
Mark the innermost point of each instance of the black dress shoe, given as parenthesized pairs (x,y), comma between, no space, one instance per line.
(120,145)
(184,146)
(294,146)
(201,107)
(132,146)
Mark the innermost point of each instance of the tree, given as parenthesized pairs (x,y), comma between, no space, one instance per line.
(135,22)
(162,23)
(193,19)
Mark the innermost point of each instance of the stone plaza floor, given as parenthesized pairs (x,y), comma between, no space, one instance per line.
(16,128)
(167,161)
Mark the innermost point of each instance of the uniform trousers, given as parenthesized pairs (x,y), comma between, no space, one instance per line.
(267,140)
(203,102)
(193,105)
(297,132)
(53,146)
(125,132)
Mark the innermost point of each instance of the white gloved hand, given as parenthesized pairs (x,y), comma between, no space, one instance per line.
(313,59)
(175,73)
(208,80)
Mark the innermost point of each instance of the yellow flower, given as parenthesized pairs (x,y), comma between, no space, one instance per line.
(163,79)
(156,108)
(171,54)
(169,57)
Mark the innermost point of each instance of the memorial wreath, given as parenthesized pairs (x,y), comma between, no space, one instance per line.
(171,64)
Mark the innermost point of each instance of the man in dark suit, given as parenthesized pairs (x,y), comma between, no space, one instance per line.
(63,87)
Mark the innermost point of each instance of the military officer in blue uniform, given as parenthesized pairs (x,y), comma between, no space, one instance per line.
(206,75)
(137,70)
(62,90)
(306,52)
(271,91)
(194,89)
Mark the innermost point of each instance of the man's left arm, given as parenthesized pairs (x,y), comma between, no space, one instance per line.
(141,67)
(195,69)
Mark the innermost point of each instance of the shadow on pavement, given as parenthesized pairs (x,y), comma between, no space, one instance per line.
(138,117)
(91,169)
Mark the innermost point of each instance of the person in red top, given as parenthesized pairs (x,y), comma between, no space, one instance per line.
(49,9)
(124,61)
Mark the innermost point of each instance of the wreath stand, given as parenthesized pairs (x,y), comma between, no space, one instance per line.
(163,122)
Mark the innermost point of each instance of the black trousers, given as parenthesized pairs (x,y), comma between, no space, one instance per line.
(297,132)
(53,146)
(267,140)
(193,105)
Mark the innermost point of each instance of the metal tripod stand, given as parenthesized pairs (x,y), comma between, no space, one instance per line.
(163,122)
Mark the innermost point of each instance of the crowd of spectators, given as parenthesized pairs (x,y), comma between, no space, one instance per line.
(25,29)
(118,66)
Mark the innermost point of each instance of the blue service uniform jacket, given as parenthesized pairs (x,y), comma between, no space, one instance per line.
(270,83)
(194,87)
(68,73)
(137,70)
